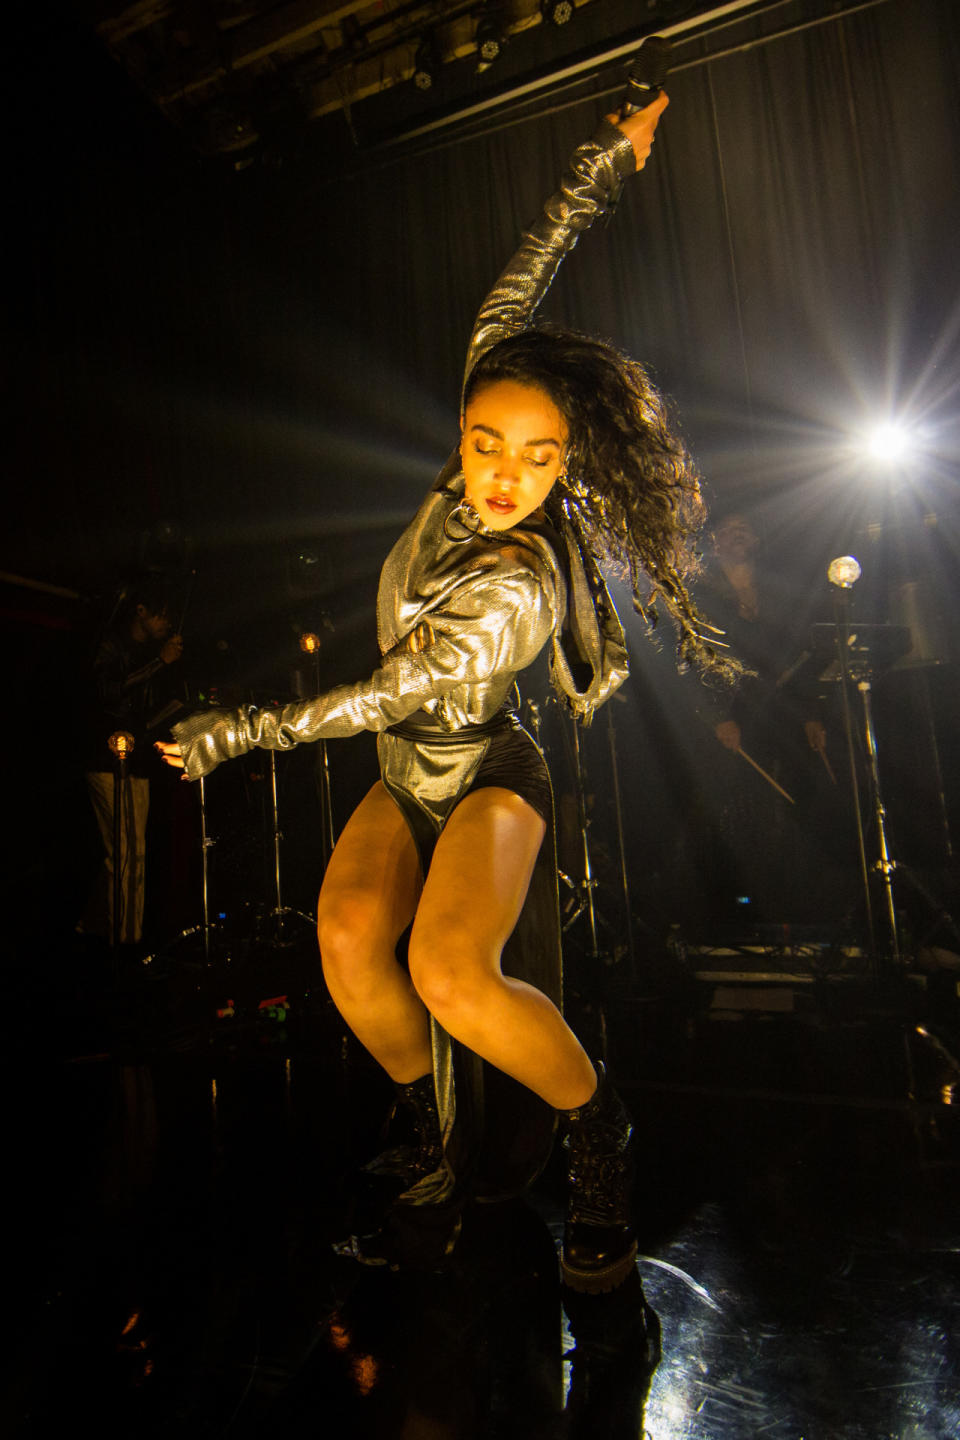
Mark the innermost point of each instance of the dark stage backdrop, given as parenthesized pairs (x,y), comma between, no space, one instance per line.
(266,365)
(244,355)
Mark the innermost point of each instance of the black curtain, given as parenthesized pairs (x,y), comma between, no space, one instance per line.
(245,353)
(270,361)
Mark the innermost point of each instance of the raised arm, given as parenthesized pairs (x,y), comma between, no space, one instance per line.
(593,178)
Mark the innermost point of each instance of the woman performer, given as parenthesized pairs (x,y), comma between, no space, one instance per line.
(565,458)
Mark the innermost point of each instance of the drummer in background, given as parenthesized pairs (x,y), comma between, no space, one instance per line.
(132,653)
(762,843)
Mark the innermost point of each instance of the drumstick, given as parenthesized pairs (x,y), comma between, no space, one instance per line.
(769,778)
(186,601)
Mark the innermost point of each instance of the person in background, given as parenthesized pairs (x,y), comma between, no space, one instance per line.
(133,651)
(760,850)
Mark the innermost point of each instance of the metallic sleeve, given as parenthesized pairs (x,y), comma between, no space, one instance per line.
(498,623)
(596,171)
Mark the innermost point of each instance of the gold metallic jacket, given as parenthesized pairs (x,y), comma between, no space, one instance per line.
(462,610)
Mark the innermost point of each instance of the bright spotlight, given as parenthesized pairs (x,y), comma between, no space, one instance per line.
(889,442)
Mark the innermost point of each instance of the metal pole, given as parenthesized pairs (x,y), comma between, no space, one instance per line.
(119,790)
(843,655)
(205,845)
(885,864)
(582,816)
(618,810)
(277,837)
(326,805)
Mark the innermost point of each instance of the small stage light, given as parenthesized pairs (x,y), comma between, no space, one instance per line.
(426,64)
(121,743)
(309,643)
(491,37)
(844,572)
(556,12)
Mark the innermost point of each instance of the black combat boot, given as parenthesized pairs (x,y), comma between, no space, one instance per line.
(599,1245)
(405,1164)
(401,1218)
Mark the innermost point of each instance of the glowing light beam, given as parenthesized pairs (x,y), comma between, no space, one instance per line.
(889,442)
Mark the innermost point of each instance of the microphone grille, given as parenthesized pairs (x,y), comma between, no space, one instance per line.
(651,63)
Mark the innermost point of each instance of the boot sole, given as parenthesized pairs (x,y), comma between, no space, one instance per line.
(598,1282)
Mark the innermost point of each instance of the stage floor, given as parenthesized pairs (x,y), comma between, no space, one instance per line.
(175,1192)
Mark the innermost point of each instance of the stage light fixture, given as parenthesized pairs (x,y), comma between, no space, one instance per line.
(309,642)
(426,64)
(889,441)
(844,572)
(122,744)
(556,12)
(491,36)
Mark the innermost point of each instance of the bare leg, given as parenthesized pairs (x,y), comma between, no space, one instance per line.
(367,900)
(470,904)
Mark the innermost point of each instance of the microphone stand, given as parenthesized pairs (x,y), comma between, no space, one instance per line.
(206,845)
(841,600)
(885,864)
(310,643)
(121,743)
(327,839)
(277,837)
(206,926)
(281,911)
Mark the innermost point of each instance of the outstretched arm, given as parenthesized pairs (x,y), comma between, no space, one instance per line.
(461,649)
(595,174)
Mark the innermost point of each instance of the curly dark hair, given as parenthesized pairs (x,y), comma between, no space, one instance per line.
(630,486)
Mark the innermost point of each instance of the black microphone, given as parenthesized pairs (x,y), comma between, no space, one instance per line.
(646,75)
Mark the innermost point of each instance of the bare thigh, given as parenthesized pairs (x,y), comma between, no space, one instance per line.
(478,879)
(373,880)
